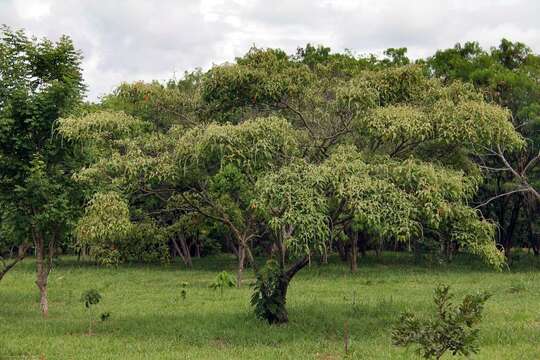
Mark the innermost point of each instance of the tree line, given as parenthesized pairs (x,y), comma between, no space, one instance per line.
(280,159)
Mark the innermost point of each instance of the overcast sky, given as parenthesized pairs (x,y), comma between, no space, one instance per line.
(127,40)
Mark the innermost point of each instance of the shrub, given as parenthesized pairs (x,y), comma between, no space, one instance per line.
(268,297)
(452,329)
(223,280)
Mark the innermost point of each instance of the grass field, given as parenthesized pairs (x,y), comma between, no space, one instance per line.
(150,320)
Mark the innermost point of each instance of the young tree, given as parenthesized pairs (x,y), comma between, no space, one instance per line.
(40,81)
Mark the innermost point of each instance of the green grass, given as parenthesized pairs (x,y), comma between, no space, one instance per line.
(149,320)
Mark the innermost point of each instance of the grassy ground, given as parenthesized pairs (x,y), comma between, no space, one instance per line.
(150,320)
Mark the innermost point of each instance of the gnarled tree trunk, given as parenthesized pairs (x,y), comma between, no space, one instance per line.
(272,291)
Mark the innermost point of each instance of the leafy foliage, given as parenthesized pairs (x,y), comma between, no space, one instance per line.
(268,297)
(453,328)
(223,280)
(90,297)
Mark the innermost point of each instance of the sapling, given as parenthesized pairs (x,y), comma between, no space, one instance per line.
(105,316)
(183,292)
(452,329)
(223,280)
(90,298)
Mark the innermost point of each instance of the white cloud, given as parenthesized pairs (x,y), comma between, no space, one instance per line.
(142,40)
(32,9)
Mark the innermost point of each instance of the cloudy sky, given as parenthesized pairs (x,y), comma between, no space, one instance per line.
(127,40)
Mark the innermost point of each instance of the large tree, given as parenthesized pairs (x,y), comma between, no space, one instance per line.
(40,81)
(297,153)
(509,76)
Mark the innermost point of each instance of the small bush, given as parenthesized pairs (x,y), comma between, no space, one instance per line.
(223,280)
(183,292)
(105,316)
(268,297)
(452,329)
(90,298)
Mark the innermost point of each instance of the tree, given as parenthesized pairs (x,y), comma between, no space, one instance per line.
(297,154)
(208,170)
(40,81)
(507,75)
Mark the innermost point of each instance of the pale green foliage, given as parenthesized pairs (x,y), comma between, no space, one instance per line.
(386,183)
(397,122)
(101,127)
(252,146)
(417,111)
(474,123)
(383,198)
(105,223)
(293,202)
(223,280)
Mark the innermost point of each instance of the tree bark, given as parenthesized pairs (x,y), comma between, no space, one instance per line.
(241,261)
(41,272)
(183,251)
(282,287)
(509,233)
(354,251)
(362,243)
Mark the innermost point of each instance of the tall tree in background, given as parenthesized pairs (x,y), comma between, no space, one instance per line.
(508,75)
(39,82)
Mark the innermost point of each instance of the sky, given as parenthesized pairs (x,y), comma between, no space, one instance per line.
(130,40)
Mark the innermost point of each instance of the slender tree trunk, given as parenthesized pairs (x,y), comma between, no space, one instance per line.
(241,263)
(229,243)
(198,246)
(354,251)
(324,256)
(509,233)
(41,272)
(183,251)
(342,250)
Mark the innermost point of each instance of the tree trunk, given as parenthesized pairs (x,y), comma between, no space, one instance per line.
(354,251)
(183,251)
(342,250)
(42,272)
(509,233)
(273,293)
(241,261)
(362,238)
